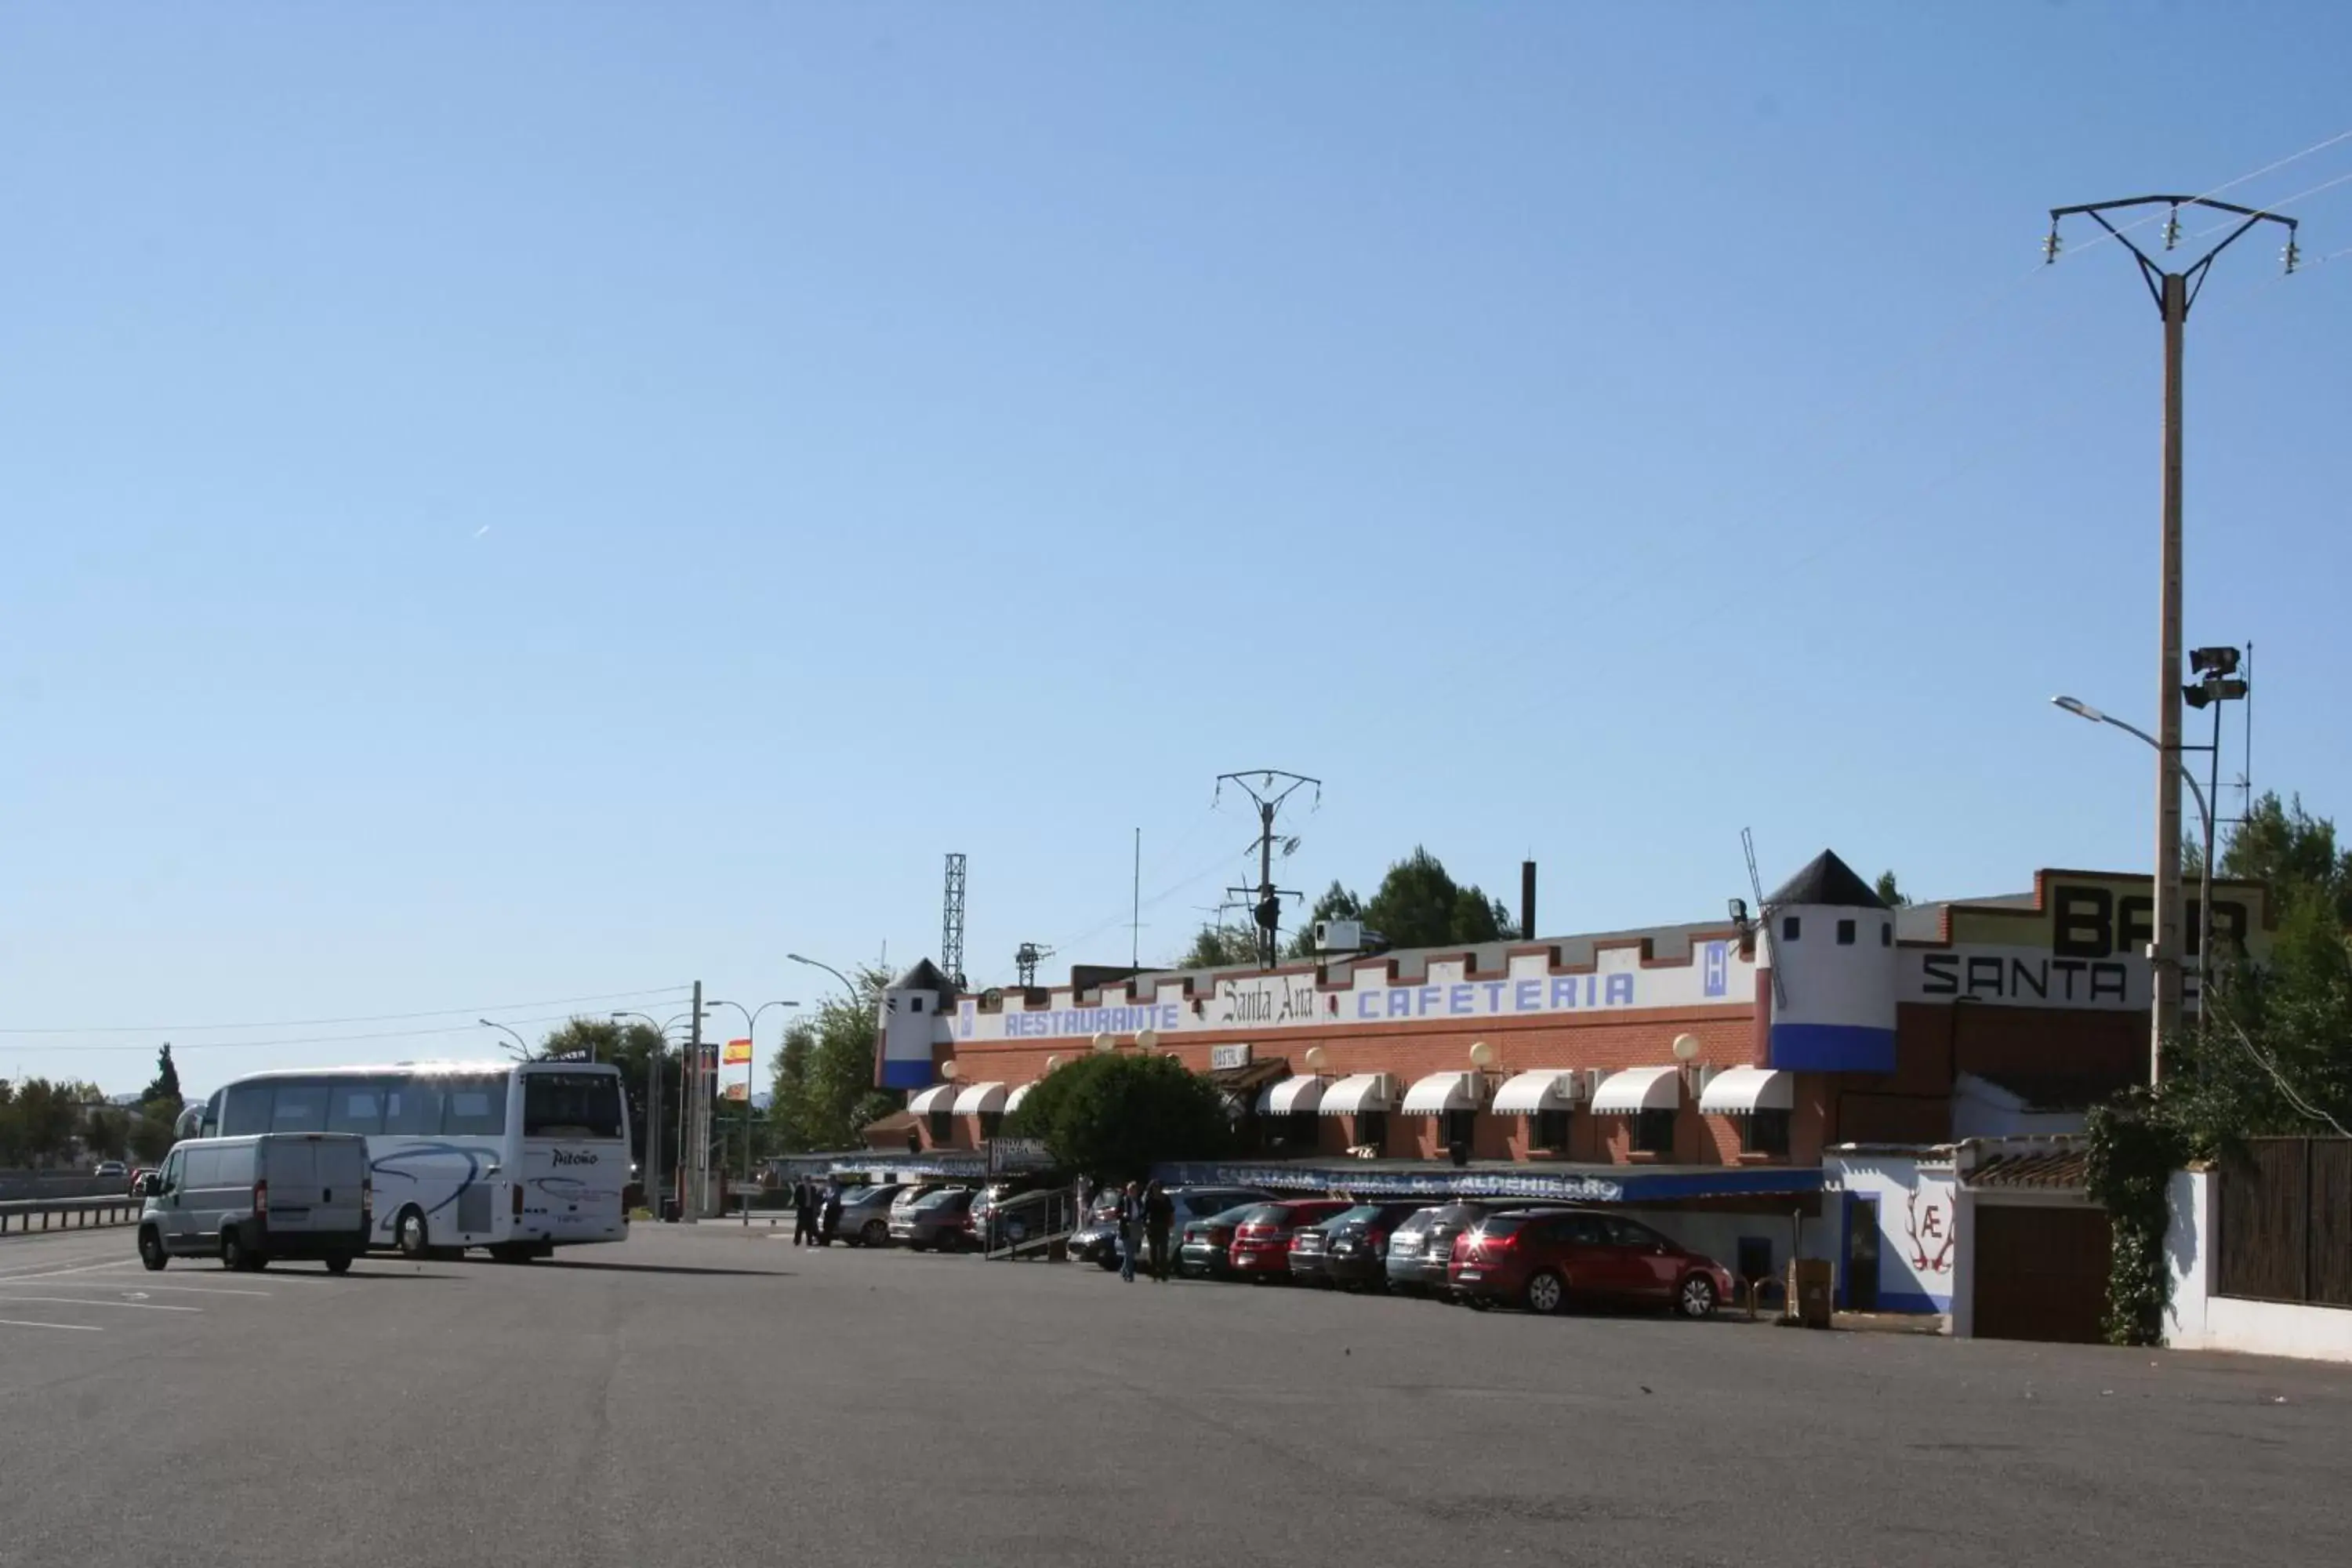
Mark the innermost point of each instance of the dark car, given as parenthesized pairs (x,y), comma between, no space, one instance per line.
(1421,1248)
(1307,1251)
(1202,1246)
(935,1220)
(1541,1259)
(1097,1241)
(1356,1244)
(1260,1249)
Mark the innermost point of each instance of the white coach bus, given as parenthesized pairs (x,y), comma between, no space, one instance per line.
(518,1157)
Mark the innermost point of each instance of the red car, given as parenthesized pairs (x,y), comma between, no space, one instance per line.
(1540,1260)
(1261,1244)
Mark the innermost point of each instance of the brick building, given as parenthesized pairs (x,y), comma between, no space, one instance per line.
(1720,1051)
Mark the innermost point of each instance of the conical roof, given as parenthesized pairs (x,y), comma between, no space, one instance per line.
(926,976)
(1828,883)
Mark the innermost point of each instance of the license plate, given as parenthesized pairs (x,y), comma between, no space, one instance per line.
(1342,1249)
(1468,1273)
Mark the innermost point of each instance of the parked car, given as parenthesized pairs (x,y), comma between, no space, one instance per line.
(1420,1250)
(914,1193)
(250,1200)
(866,1215)
(1356,1245)
(114,1168)
(1202,1248)
(1542,1259)
(933,1220)
(1013,1214)
(1306,1244)
(1096,1241)
(1261,1244)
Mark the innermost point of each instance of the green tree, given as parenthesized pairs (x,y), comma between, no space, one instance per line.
(1115,1115)
(633,1048)
(106,1133)
(1889,893)
(166,1084)
(1219,947)
(2293,854)
(151,1132)
(1418,904)
(43,1117)
(827,1097)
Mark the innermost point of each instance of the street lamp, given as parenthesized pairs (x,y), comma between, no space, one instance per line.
(750,1028)
(2082,709)
(522,1055)
(847,985)
(651,1163)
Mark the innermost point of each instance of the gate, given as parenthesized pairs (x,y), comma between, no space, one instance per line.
(2041,1273)
(2285,1214)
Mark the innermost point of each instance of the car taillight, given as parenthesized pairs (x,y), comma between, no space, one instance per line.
(1496,1242)
(261,1199)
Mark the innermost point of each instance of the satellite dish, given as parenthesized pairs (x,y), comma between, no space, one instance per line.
(1482,1055)
(1147,1038)
(992,997)
(1315,1059)
(948,1068)
(1686,1048)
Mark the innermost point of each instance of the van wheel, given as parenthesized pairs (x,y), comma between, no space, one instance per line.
(233,1254)
(415,1241)
(341,1263)
(1547,1293)
(151,1250)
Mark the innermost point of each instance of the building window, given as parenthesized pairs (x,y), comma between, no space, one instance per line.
(1372,1129)
(1653,1133)
(942,1128)
(1887,934)
(915,1003)
(1300,1129)
(1790,926)
(1764,1132)
(1456,1127)
(1845,933)
(990,1121)
(1549,1130)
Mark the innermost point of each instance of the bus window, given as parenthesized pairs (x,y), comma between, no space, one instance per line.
(246,1109)
(571,1105)
(476,1108)
(299,1107)
(412,1108)
(356,1108)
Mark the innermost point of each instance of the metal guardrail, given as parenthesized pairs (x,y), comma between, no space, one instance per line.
(68,1214)
(1031,1223)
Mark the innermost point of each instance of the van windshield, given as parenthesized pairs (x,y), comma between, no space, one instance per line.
(571,1105)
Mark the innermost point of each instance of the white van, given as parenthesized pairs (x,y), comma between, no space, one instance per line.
(249,1200)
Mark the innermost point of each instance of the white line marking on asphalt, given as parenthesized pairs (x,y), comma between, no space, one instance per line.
(129,1306)
(77,1328)
(143,1289)
(61,1273)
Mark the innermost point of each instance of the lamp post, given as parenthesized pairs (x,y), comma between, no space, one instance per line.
(751,1027)
(522,1055)
(2082,709)
(847,984)
(649,1157)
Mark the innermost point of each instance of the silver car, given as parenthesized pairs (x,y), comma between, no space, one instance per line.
(866,1215)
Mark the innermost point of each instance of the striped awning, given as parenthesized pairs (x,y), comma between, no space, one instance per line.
(1533,1093)
(1354,1095)
(1013,1100)
(1639,1089)
(980,1099)
(1741,1092)
(935,1100)
(1291,1097)
(1443,1091)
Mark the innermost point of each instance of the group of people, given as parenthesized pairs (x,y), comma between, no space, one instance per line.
(1144,1214)
(816,1212)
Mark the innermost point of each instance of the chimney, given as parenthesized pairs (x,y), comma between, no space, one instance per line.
(1527,900)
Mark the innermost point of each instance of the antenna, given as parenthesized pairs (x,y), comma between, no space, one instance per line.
(1025,959)
(1269,788)
(951,921)
(1763,913)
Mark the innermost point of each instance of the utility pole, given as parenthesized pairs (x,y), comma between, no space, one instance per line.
(2174,293)
(1267,909)
(690,1153)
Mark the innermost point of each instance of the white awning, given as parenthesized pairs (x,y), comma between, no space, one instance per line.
(1012,1100)
(1291,1097)
(1532,1093)
(932,1101)
(1736,1092)
(1355,1095)
(980,1099)
(1639,1089)
(1440,1093)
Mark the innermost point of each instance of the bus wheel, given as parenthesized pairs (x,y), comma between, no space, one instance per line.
(341,1263)
(415,1242)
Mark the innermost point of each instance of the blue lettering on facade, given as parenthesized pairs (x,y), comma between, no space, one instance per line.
(1457,1000)
(1364,1000)
(1426,1001)
(1621,991)
(1526,996)
(1563,991)
(1400,1004)
(1716,959)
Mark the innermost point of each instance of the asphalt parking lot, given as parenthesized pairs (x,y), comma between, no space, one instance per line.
(716,1396)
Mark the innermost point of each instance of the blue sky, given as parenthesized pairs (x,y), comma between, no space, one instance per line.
(507,503)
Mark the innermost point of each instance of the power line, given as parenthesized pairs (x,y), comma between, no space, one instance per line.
(329,1023)
(302,1039)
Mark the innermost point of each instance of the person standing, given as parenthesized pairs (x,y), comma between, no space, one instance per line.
(1130,1215)
(1158,1213)
(804,1205)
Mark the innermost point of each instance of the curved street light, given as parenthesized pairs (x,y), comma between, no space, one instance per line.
(523,1054)
(847,985)
(2082,709)
(751,1031)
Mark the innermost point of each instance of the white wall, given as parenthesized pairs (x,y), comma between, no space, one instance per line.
(1717,1234)
(2199,1319)
(1919,1225)
(1982,1110)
